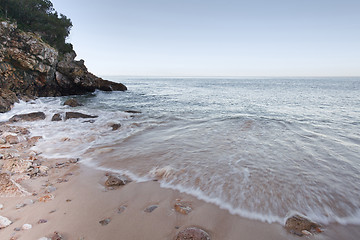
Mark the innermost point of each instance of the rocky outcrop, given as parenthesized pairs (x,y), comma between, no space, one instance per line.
(29,67)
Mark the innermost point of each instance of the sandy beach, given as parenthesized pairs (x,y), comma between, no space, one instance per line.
(72,200)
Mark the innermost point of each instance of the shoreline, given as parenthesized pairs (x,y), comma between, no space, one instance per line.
(81,201)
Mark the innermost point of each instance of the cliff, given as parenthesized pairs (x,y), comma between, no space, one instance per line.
(30,68)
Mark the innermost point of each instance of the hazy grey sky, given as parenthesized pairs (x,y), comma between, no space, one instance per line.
(216,38)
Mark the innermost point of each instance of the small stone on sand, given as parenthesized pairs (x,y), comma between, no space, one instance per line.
(105,221)
(27,226)
(151,208)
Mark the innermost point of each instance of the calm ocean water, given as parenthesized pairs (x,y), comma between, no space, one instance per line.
(262,148)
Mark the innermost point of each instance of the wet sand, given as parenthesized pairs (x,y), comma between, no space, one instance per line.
(81,200)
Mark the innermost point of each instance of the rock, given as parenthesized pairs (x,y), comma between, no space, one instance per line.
(12,139)
(115,126)
(121,209)
(46,198)
(72,102)
(106,85)
(16,165)
(69,115)
(105,221)
(26,226)
(43,169)
(296,224)
(50,189)
(20,205)
(114,181)
(42,221)
(57,117)
(192,233)
(183,207)
(17,229)
(57,236)
(2,141)
(132,111)
(4,222)
(306,232)
(7,99)
(44,238)
(29,68)
(34,116)
(33,140)
(28,201)
(151,208)
(9,188)
(1,206)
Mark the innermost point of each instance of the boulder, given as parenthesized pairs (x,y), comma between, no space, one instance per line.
(106,85)
(192,233)
(72,102)
(297,224)
(34,116)
(69,115)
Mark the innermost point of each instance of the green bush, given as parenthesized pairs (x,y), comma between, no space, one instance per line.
(39,16)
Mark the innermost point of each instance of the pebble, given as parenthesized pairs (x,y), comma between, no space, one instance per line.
(151,208)
(183,207)
(46,198)
(306,232)
(20,205)
(42,221)
(121,209)
(50,189)
(17,229)
(27,226)
(1,206)
(28,201)
(105,221)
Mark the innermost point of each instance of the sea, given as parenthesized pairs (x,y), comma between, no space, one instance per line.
(261,148)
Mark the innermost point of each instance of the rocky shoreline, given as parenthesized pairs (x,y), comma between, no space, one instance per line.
(31,68)
(31,180)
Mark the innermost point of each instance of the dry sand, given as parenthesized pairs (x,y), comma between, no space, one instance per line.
(81,201)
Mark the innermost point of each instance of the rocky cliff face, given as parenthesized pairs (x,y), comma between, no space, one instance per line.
(31,68)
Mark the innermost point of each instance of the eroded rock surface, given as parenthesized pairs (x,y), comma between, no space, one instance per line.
(30,68)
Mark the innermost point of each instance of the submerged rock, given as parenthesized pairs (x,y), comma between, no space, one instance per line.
(57,117)
(4,222)
(299,225)
(115,126)
(114,181)
(72,102)
(34,116)
(192,233)
(69,115)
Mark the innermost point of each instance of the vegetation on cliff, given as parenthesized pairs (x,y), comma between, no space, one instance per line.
(39,16)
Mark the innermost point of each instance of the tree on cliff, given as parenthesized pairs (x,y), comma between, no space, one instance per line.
(39,16)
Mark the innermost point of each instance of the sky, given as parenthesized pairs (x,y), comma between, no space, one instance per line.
(216,37)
